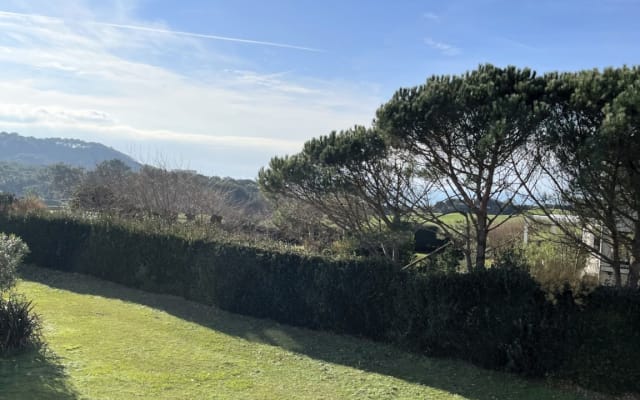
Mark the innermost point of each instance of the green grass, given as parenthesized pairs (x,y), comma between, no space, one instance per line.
(458,218)
(106,341)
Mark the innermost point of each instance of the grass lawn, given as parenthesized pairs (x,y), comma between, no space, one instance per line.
(458,218)
(106,341)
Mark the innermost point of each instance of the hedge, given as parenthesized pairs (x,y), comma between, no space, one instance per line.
(497,318)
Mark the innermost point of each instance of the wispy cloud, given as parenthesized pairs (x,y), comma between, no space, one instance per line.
(212,37)
(516,43)
(444,48)
(75,121)
(172,32)
(431,16)
(104,83)
(18,114)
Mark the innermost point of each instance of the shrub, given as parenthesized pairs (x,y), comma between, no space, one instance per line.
(507,234)
(447,260)
(19,325)
(556,265)
(605,349)
(427,240)
(28,205)
(511,257)
(6,201)
(12,251)
(498,318)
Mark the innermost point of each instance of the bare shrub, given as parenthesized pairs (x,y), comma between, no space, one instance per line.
(28,205)
(508,234)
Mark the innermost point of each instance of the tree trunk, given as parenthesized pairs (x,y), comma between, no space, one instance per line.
(615,264)
(467,247)
(616,267)
(467,256)
(394,254)
(481,241)
(634,265)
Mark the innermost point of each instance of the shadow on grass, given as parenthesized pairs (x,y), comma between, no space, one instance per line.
(448,375)
(34,374)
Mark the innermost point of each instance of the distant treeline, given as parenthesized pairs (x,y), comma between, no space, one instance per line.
(23,180)
(58,182)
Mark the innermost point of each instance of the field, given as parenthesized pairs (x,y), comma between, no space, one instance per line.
(110,342)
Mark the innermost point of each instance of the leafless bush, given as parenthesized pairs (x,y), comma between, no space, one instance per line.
(506,235)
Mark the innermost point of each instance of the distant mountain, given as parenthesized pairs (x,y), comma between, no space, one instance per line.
(32,151)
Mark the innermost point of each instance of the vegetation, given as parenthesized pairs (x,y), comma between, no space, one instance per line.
(112,187)
(22,180)
(588,150)
(447,165)
(467,133)
(52,183)
(107,341)
(19,326)
(478,146)
(356,181)
(497,318)
(12,251)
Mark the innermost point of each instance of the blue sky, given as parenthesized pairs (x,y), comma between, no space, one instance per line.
(221,87)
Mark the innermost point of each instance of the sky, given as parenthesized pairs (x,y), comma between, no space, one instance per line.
(222,86)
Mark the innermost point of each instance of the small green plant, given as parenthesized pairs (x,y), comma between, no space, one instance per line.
(12,251)
(511,257)
(447,261)
(19,325)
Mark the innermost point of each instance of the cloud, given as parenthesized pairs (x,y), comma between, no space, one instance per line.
(66,121)
(22,113)
(104,83)
(168,32)
(516,43)
(431,16)
(444,48)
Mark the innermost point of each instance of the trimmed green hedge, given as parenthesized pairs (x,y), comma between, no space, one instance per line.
(497,318)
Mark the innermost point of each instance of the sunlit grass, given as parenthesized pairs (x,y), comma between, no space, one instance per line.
(111,342)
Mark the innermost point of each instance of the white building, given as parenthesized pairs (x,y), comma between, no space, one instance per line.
(595,266)
(599,268)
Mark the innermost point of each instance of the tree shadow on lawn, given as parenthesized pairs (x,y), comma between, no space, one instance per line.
(449,375)
(34,374)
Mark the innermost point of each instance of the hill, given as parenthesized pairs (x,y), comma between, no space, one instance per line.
(40,152)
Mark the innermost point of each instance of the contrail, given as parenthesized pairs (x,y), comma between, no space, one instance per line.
(205,36)
(173,32)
